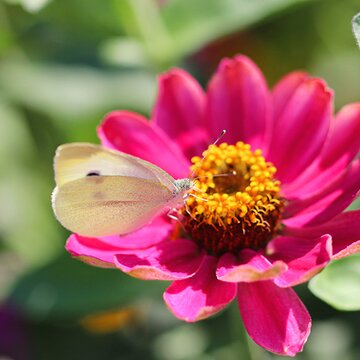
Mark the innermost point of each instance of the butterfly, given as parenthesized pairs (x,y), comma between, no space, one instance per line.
(102,192)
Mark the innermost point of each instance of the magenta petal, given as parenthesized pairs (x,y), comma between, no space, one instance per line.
(304,257)
(239,102)
(353,248)
(275,318)
(285,88)
(343,229)
(179,111)
(248,266)
(155,232)
(92,251)
(341,147)
(200,296)
(170,260)
(101,251)
(131,133)
(301,129)
(344,142)
(327,203)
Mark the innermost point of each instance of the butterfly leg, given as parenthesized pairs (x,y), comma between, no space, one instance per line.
(173,216)
(198,197)
(187,206)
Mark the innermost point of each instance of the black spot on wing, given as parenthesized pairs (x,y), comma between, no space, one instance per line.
(93,173)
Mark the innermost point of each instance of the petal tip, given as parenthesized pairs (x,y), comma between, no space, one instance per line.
(237,62)
(320,87)
(173,73)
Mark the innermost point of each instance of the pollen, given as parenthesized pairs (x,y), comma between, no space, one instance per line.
(236,203)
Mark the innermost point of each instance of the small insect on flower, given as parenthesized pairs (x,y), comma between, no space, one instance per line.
(102,192)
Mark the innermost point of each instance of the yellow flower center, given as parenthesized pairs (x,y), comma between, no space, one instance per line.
(237,203)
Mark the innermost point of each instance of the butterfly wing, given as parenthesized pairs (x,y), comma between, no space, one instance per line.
(77,160)
(101,192)
(107,205)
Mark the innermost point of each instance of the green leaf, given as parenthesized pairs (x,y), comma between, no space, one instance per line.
(356,28)
(180,27)
(27,225)
(124,51)
(193,24)
(32,6)
(76,92)
(339,284)
(68,289)
(15,139)
(355,205)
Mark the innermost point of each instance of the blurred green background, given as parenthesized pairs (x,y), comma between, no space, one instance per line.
(65,64)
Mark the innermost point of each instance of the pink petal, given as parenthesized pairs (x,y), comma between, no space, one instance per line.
(301,129)
(169,260)
(101,251)
(275,318)
(353,248)
(341,147)
(343,229)
(249,266)
(327,203)
(92,251)
(131,133)
(179,111)
(304,258)
(158,230)
(239,101)
(285,89)
(200,296)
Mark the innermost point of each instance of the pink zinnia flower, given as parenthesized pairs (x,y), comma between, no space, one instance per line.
(272,225)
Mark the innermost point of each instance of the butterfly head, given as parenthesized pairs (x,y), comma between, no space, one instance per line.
(183,186)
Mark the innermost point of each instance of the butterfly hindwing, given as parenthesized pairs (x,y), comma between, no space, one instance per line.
(105,205)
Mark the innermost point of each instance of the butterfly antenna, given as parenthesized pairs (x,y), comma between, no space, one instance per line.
(219,137)
(203,158)
(233,173)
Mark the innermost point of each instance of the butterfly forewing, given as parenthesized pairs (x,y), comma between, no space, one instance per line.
(103,192)
(106,205)
(78,160)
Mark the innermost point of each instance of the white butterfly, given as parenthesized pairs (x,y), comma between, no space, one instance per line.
(103,192)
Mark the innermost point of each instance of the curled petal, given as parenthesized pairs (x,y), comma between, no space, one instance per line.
(239,101)
(133,134)
(304,258)
(345,236)
(348,250)
(101,251)
(200,296)
(275,318)
(170,260)
(179,111)
(92,251)
(249,266)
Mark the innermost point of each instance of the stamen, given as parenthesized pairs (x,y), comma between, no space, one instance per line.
(240,205)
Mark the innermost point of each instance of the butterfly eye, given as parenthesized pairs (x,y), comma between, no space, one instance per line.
(93,173)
